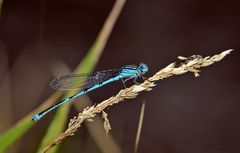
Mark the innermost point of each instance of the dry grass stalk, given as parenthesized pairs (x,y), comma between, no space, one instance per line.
(106,123)
(140,123)
(190,64)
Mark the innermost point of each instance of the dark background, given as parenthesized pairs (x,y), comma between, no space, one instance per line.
(183,114)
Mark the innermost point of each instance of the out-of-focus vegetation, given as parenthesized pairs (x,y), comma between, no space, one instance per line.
(59,121)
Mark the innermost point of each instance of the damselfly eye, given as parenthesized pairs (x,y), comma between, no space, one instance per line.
(143,68)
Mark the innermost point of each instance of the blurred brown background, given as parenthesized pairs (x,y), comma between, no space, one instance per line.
(183,114)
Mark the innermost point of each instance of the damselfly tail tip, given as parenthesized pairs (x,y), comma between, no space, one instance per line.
(36,118)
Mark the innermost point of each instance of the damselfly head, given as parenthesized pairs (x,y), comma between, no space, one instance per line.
(143,68)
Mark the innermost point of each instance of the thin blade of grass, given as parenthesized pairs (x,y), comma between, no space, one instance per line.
(11,135)
(139,128)
(1,2)
(23,125)
(87,65)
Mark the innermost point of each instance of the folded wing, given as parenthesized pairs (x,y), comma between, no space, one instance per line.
(82,81)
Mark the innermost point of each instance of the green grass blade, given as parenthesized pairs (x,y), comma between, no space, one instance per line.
(23,125)
(56,127)
(14,133)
